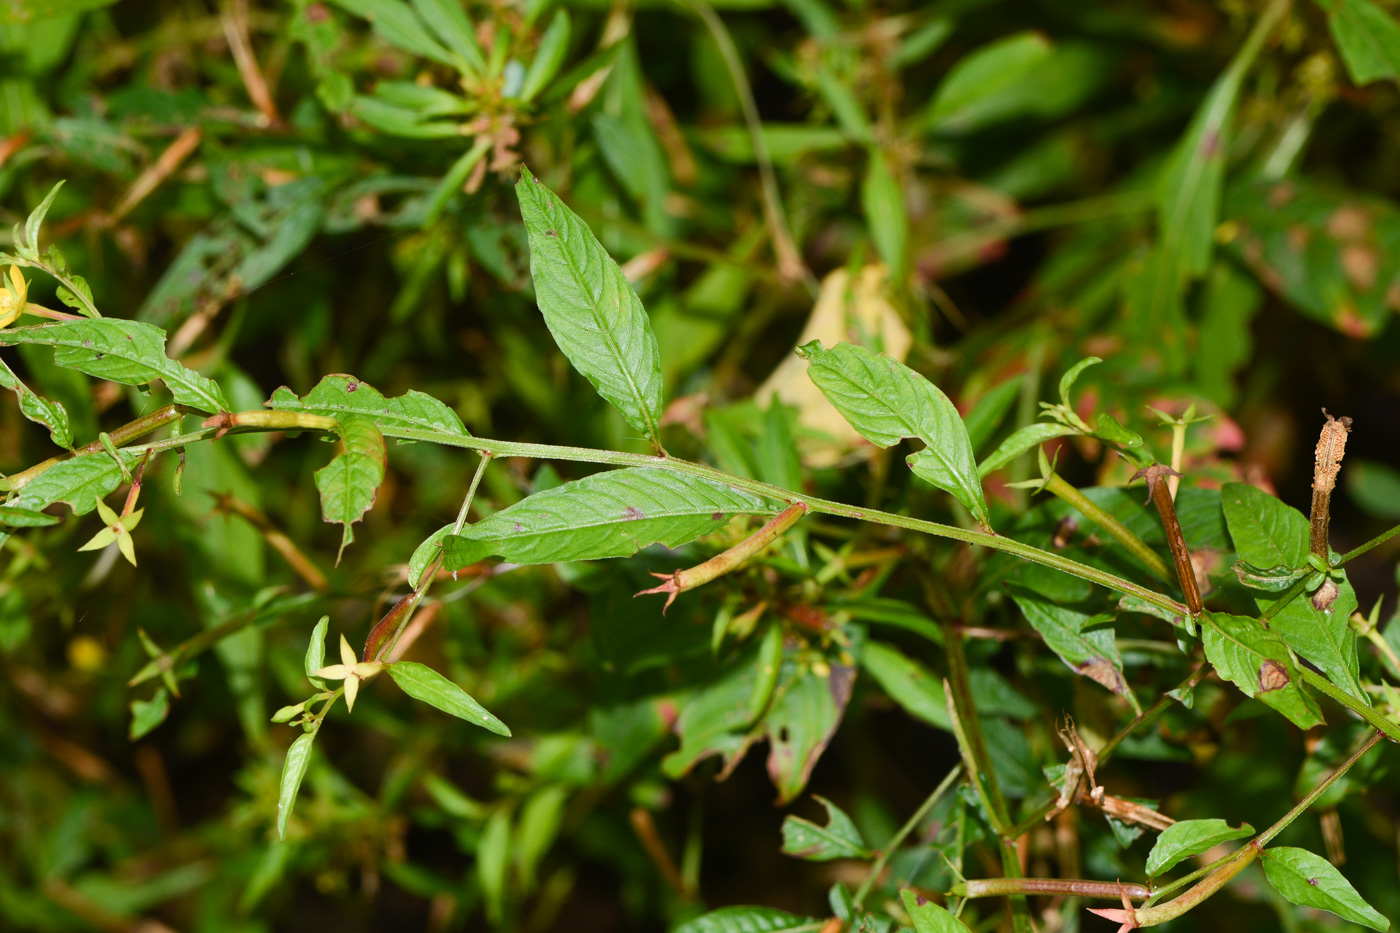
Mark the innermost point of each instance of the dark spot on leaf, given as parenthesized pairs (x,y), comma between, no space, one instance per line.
(1272,676)
(920,900)
(87,343)
(519,527)
(351,386)
(717,516)
(783,734)
(1313,882)
(633,513)
(128,336)
(550,233)
(1102,671)
(317,13)
(100,355)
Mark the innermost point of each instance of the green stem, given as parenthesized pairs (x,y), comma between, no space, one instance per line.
(1267,835)
(898,838)
(1316,680)
(471,494)
(1057,487)
(824,506)
(1375,542)
(88,308)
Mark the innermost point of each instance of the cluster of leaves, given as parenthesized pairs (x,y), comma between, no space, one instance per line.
(264,197)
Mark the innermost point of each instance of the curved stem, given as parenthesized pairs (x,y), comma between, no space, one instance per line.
(898,838)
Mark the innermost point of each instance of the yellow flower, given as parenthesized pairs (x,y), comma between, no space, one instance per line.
(118,529)
(12,298)
(351,670)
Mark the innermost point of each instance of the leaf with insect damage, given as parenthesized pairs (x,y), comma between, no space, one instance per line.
(339,395)
(839,838)
(349,483)
(1081,641)
(1310,880)
(1257,661)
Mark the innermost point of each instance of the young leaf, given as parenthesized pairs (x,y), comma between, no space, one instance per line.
(293,770)
(969,94)
(928,917)
(423,683)
(1257,661)
(839,838)
(1073,635)
(750,920)
(1367,36)
(612,514)
(887,401)
(450,22)
(1031,436)
(51,415)
(1180,841)
(80,482)
(396,24)
(989,412)
(424,553)
(129,352)
(30,247)
(1311,881)
(591,309)
(1268,533)
(338,395)
(316,652)
(147,714)
(349,483)
(550,55)
(1072,375)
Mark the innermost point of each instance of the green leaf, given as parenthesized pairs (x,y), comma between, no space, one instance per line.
(80,482)
(1031,436)
(492,863)
(1079,639)
(1311,881)
(713,719)
(1257,661)
(1181,841)
(401,121)
(338,395)
(928,917)
(396,24)
(1072,375)
(316,652)
(147,714)
(750,920)
(423,683)
(12,517)
(969,96)
(51,415)
(548,58)
(882,200)
(449,21)
(591,309)
(908,683)
(129,352)
(293,770)
(611,514)
(540,820)
(1375,487)
(1367,36)
(887,401)
(35,222)
(349,483)
(989,412)
(1269,579)
(806,709)
(839,838)
(1268,533)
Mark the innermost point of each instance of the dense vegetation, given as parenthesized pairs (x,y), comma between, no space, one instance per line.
(705,447)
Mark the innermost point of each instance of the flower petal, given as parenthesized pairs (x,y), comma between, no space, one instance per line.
(352,687)
(347,654)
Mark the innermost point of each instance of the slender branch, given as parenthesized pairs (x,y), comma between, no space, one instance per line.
(824,506)
(898,838)
(1268,835)
(1067,887)
(1359,707)
(1375,542)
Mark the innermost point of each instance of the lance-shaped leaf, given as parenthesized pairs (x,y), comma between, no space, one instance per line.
(38,409)
(590,307)
(1311,881)
(12,517)
(1367,36)
(293,770)
(839,838)
(423,683)
(80,482)
(886,402)
(1268,533)
(1180,841)
(612,514)
(1032,435)
(348,483)
(1256,660)
(338,395)
(750,920)
(1078,638)
(129,352)
(908,683)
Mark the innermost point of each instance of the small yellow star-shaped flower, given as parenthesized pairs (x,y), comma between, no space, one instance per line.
(351,670)
(118,529)
(12,298)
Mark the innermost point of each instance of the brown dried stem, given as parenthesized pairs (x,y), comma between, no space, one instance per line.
(1331,447)
(1161,495)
